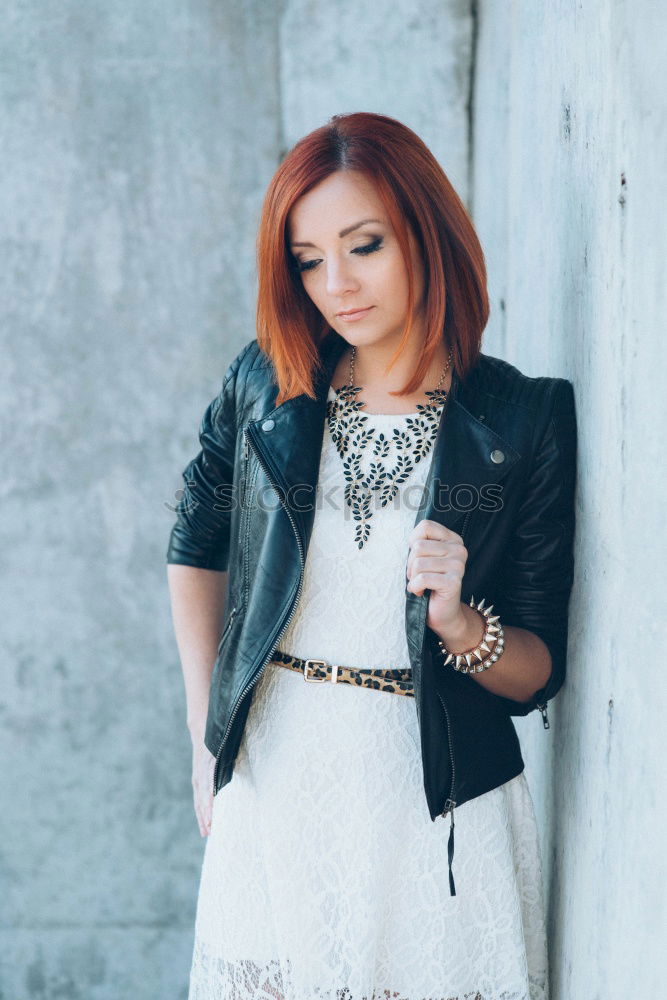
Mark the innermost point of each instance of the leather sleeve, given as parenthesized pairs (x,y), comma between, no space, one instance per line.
(538,568)
(201,535)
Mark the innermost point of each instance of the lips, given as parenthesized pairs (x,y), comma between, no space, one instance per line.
(353,313)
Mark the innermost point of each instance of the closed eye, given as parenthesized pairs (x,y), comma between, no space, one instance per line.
(309,265)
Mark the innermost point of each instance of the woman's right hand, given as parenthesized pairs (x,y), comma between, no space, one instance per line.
(203,764)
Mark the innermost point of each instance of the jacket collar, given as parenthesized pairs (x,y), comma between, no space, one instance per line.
(461,453)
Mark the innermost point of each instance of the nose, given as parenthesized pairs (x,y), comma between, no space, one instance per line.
(340,279)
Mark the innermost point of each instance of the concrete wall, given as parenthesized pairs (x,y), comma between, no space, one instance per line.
(137,144)
(569,154)
(138,139)
(409,60)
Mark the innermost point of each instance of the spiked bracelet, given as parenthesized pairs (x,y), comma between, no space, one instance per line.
(493,632)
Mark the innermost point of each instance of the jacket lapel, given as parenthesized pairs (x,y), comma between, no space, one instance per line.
(292,447)
(468,455)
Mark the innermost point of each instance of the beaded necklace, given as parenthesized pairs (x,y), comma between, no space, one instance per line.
(352,437)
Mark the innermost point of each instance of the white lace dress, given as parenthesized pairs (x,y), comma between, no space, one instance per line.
(323,874)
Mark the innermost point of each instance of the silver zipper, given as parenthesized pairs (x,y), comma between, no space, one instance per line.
(245,463)
(245,524)
(545,717)
(451,802)
(278,637)
(232,615)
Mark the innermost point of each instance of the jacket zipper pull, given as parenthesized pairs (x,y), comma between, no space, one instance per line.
(545,717)
(449,804)
(245,444)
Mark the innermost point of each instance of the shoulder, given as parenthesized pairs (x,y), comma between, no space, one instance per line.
(502,386)
(248,378)
(250,364)
(500,380)
(245,361)
(524,409)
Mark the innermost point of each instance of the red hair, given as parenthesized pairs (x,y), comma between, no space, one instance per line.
(415,192)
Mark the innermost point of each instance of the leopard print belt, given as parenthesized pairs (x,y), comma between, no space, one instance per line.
(393,681)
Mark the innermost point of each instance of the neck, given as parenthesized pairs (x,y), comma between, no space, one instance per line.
(371,363)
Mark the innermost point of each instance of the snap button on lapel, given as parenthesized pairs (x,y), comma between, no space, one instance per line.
(497,455)
(268,425)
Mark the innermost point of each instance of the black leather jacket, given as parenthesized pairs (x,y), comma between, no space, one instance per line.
(502,475)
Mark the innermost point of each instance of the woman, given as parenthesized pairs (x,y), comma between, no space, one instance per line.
(390,514)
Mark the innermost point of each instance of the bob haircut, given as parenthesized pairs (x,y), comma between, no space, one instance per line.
(415,192)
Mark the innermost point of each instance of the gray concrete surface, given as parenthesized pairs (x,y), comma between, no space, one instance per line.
(137,143)
(409,60)
(570,152)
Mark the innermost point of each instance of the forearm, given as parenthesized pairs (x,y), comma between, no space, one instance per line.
(524,666)
(197,607)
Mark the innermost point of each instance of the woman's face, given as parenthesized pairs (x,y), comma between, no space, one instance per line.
(348,262)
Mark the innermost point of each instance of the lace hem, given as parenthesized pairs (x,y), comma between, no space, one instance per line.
(247,980)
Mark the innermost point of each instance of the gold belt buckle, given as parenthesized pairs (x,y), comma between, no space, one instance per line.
(318,663)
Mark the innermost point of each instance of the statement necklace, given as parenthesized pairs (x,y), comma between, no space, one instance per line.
(352,436)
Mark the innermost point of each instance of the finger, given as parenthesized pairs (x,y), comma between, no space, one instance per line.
(438,564)
(201,790)
(424,549)
(448,585)
(433,529)
(204,815)
(204,800)
(208,813)
(200,822)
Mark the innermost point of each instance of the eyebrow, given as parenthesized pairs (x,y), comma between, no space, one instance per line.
(343,232)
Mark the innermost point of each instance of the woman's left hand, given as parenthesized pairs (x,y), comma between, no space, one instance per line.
(437,559)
